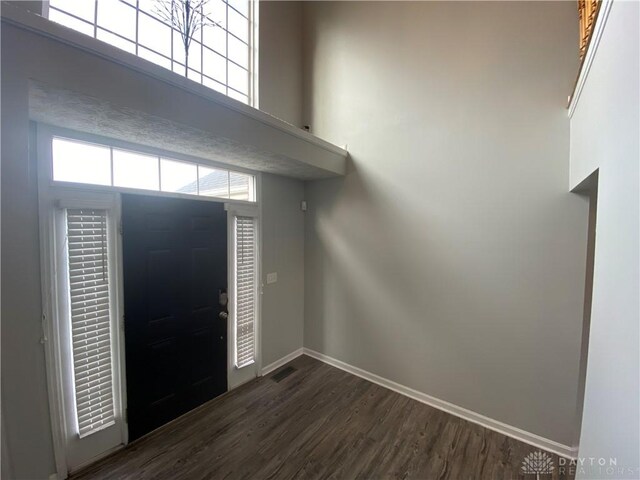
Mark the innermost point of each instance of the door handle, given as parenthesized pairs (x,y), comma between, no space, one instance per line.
(223,301)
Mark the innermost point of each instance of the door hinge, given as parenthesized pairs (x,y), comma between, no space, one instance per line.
(126,415)
(120,231)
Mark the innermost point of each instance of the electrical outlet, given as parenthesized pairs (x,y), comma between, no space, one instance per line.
(272,277)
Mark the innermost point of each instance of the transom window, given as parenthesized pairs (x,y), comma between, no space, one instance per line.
(89,163)
(219,55)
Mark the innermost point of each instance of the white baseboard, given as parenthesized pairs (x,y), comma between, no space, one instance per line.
(491,424)
(278,363)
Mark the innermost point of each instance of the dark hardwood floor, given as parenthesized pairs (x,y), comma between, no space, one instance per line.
(317,423)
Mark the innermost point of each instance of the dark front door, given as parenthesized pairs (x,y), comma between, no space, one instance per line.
(175,268)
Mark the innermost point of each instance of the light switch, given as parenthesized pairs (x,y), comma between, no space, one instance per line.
(272,277)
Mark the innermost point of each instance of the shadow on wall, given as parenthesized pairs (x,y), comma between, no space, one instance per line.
(589,189)
(398,277)
(378,259)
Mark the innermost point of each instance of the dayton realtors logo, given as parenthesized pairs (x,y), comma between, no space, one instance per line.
(595,467)
(541,463)
(537,463)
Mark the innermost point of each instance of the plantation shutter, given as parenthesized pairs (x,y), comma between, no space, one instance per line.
(89,293)
(245,290)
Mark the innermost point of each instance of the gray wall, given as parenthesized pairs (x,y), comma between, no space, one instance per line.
(26,423)
(280,60)
(25,408)
(280,81)
(34,6)
(604,136)
(451,259)
(283,252)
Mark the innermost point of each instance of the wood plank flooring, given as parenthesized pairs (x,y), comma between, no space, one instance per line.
(318,422)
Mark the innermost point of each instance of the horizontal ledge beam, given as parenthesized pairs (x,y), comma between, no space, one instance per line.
(219,120)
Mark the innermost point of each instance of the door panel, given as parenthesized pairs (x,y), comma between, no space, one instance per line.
(174,265)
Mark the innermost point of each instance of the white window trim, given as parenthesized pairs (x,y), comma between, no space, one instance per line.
(52,202)
(255,211)
(254,53)
(48,192)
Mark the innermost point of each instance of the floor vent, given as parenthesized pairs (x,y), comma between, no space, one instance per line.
(282,374)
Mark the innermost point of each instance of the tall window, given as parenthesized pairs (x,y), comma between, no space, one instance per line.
(245,289)
(219,55)
(89,295)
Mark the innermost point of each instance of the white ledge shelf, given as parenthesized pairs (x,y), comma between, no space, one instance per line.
(81,83)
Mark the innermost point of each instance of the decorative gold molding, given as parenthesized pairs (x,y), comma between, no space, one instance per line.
(587,14)
(597,28)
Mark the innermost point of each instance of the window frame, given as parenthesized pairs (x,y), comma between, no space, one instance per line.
(47,132)
(235,304)
(239,375)
(63,281)
(52,212)
(251,42)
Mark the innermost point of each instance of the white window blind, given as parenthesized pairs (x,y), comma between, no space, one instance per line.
(245,290)
(89,293)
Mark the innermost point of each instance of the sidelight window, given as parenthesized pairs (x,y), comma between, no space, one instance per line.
(245,289)
(89,298)
(82,334)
